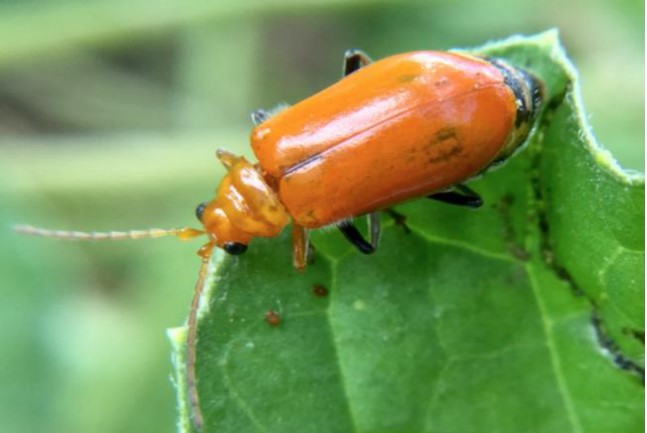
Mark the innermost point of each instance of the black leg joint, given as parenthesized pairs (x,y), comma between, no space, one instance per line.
(461,196)
(353,61)
(355,237)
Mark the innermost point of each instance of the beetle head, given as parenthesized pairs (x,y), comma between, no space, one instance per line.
(244,207)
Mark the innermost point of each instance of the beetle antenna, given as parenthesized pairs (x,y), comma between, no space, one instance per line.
(183,233)
(191,382)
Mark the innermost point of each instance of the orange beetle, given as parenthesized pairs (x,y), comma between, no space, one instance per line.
(411,125)
(407,126)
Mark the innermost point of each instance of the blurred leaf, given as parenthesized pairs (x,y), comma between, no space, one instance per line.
(523,316)
(32,27)
(137,161)
(209,65)
(29,373)
(81,90)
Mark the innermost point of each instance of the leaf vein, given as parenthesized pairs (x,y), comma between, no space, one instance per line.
(547,325)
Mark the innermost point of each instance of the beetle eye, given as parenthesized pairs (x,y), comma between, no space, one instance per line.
(234,248)
(200,210)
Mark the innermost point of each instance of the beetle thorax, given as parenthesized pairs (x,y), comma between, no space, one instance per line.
(245,206)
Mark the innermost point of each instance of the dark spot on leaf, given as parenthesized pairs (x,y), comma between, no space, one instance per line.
(605,341)
(273,318)
(545,246)
(319,290)
(504,208)
(519,252)
(638,334)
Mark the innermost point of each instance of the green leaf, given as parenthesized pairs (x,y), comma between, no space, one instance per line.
(523,316)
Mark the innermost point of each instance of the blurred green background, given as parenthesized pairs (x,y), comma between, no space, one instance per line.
(110,112)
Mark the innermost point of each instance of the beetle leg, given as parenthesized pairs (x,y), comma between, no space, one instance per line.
(461,196)
(299,247)
(374,229)
(355,59)
(259,116)
(353,235)
(399,219)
